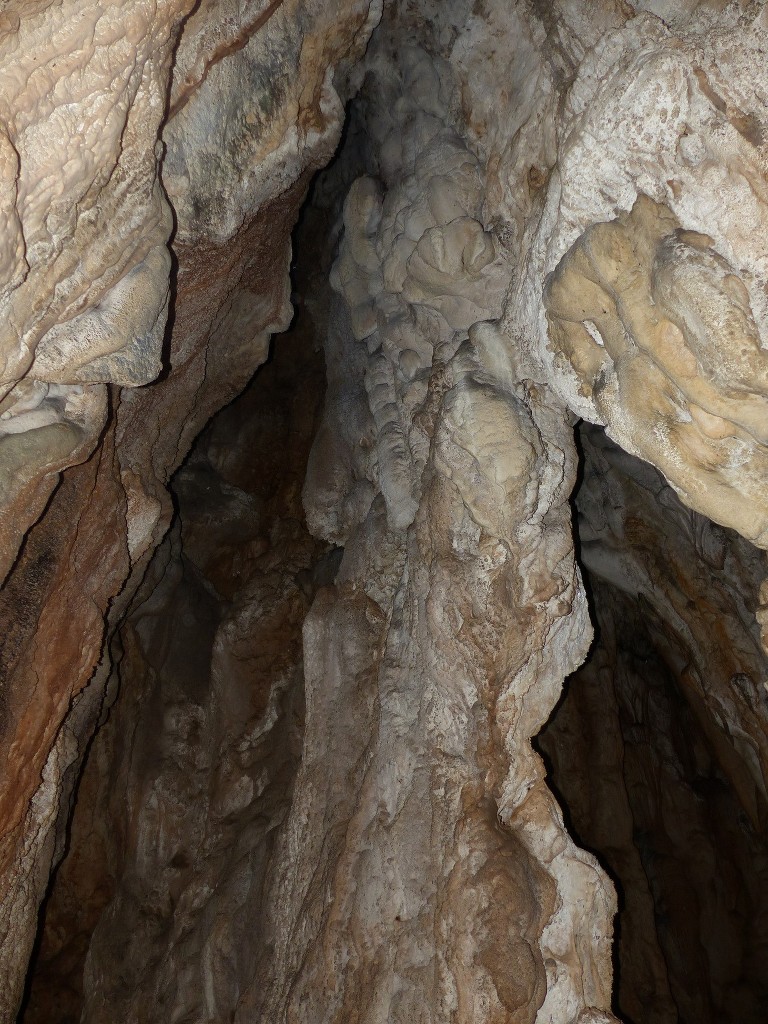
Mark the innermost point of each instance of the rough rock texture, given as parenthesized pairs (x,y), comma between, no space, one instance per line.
(191,776)
(542,211)
(654,321)
(85,293)
(208,903)
(84,269)
(661,330)
(659,747)
(426,666)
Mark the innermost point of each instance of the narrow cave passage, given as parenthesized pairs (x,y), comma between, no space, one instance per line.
(189,779)
(657,748)
(654,750)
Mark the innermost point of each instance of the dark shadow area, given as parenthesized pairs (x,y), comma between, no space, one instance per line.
(657,748)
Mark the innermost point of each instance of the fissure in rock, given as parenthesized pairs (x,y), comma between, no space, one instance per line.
(191,775)
(672,803)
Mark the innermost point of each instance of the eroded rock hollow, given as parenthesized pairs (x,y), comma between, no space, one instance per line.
(370,370)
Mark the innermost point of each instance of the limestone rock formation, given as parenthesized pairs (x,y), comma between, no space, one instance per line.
(192,775)
(85,298)
(279,717)
(661,333)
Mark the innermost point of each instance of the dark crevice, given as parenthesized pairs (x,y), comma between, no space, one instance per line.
(238,547)
(642,759)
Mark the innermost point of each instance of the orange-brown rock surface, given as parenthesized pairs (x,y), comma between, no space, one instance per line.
(87,279)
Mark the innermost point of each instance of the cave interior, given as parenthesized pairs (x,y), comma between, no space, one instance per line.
(634,751)
(266,738)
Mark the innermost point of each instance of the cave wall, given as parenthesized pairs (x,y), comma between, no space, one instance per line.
(659,745)
(156,910)
(90,112)
(540,213)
